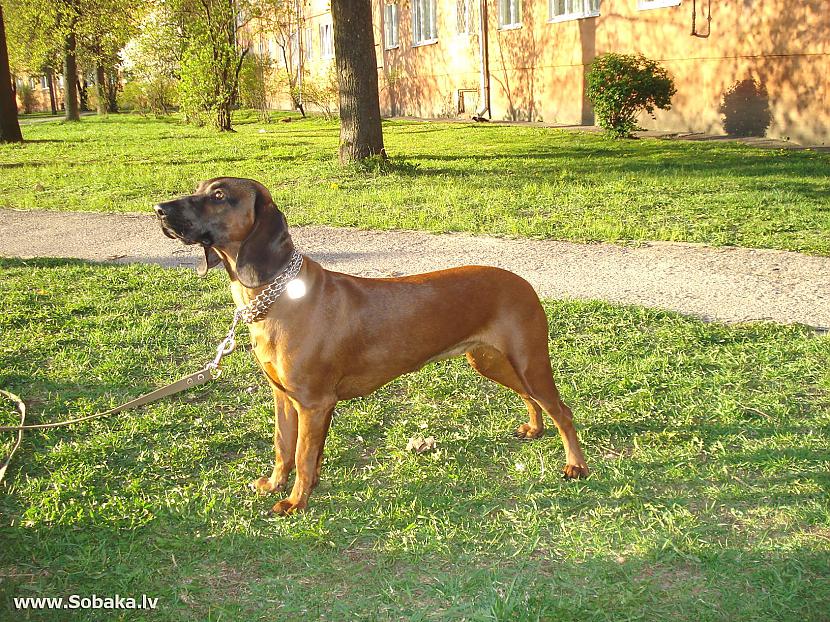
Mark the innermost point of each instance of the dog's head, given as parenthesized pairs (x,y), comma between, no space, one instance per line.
(234,220)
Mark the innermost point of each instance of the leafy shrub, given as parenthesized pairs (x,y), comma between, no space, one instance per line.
(254,78)
(321,91)
(620,86)
(151,65)
(27,98)
(199,90)
(148,96)
(745,109)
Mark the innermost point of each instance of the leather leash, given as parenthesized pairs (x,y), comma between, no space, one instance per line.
(211,371)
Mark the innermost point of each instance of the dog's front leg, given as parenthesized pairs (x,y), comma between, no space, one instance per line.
(313,426)
(285,444)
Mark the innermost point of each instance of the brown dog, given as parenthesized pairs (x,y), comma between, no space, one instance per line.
(341,336)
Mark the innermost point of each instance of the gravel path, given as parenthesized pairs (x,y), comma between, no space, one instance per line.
(723,284)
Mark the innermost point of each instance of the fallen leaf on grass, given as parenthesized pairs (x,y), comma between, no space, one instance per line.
(419,444)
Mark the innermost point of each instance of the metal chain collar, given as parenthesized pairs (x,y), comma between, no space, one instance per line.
(259,306)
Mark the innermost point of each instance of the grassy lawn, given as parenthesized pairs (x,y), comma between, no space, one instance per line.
(708,444)
(514,181)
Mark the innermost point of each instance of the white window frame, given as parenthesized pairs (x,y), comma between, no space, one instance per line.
(514,23)
(419,24)
(327,42)
(645,5)
(468,17)
(308,51)
(582,12)
(391,26)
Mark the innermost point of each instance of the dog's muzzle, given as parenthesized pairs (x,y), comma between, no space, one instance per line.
(170,228)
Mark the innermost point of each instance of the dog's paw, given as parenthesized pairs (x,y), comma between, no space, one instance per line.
(573,471)
(526,432)
(264,486)
(287,506)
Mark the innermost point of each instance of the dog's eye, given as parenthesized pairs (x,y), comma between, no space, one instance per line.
(219,195)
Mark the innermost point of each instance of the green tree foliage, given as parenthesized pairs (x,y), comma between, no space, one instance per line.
(283,20)
(211,61)
(621,86)
(34,33)
(151,62)
(45,34)
(254,79)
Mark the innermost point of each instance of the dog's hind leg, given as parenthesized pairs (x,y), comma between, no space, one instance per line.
(285,445)
(532,379)
(493,364)
(535,374)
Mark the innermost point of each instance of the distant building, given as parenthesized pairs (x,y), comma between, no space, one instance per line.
(526,60)
(38,89)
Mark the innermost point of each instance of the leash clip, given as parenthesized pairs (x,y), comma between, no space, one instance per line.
(227,345)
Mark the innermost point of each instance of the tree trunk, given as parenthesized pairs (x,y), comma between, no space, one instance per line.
(223,117)
(70,78)
(83,94)
(111,84)
(100,91)
(50,78)
(9,127)
(361,134)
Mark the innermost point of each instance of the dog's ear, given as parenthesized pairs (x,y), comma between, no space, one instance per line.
(211,258)
(267,246)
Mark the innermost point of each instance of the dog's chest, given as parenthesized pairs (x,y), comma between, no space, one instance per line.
(268,354)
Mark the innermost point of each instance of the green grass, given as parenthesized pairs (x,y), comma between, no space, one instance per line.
(708,498)
(505,180)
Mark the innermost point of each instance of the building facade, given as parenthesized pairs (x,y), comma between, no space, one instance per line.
(527,60)
(33,95)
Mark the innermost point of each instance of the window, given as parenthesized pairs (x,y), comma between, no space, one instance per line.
(326,41)
(423,22)
(44,82)
(656,4)
(309,44)
(390,26)
(561,10)
(464,17)
(509,14)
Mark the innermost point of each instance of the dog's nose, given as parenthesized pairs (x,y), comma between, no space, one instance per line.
(159,210)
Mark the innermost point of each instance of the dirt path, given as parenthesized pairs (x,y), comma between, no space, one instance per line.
(724,284)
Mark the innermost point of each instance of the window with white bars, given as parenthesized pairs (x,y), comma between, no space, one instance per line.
(308,44)
(465,16)
(424,29)
(561,10)
(326,41)
(390,26)
(510,14)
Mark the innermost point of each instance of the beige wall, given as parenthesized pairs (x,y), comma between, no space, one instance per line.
(41,97)
(537,71)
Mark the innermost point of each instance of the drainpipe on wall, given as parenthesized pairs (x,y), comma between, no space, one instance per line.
(484,57)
